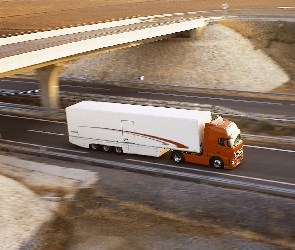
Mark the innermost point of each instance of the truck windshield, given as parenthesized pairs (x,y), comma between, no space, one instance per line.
(233,142)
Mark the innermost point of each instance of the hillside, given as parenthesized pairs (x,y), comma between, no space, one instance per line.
(275,39)
(221,58)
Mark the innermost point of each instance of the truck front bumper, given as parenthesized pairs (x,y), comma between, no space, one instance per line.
(234,162)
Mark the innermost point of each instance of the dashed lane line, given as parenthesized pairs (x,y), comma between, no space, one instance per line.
(18,81)
(83,87)
(43,132)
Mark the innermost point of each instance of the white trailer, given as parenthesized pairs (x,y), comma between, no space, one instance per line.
(135,129)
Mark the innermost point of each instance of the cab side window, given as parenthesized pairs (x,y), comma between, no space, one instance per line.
(221,142)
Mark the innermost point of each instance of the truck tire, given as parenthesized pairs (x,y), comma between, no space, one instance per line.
(216,162)
(177,157)
(118,150)
(94,146)
(107,149)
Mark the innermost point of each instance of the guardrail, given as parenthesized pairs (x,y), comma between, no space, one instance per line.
(73,97)
(159,85)
(202,179)
(34,111)
(269,138)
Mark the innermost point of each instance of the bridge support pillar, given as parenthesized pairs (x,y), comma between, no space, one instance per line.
(194,33)
(49,85)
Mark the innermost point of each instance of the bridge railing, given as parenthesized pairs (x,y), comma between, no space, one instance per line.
(76,47)
(66,31)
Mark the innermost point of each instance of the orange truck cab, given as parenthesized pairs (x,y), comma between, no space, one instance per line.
(222,145)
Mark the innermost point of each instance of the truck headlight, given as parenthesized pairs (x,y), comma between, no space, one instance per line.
(232,162)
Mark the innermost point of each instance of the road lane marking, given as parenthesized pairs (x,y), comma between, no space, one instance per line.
(25,82)
(82,87)
(204,97)
(29,118)
(43,132)
(17,81)
(273,149)
(36,145)
(206,171)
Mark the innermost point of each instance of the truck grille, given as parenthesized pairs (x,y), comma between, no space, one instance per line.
(238,153)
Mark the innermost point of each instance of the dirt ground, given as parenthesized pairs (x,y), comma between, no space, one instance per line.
(24,15)
(275,39)
(125,210)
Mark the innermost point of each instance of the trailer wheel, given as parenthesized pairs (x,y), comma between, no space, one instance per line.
(106,148)
(94,146)
(119,150)
(216,162)
(177,157)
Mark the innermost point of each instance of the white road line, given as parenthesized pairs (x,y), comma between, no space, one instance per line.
(205,171)
(36,145)
(211,98)
(25,82)
(29,118)
(43,132)
(82,87)
(18,81)
(273,149)
(285,7)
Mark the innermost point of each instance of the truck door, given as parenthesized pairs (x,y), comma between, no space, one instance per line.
(128,131)
(223,149)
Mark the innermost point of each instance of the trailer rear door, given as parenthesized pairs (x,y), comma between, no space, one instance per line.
(128,131)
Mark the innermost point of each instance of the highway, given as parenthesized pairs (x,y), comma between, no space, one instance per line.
(269,166)
(240,103)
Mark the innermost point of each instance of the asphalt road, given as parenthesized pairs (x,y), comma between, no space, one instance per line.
(269,166)
(243,104)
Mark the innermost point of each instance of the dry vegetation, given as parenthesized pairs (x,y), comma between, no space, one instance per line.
(107,216)
(24,15)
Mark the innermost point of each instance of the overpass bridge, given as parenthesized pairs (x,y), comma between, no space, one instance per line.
(47,51)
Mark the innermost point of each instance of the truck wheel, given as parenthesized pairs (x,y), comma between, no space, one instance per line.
(106,148)
(94,146)
(178,157)
(119,150)
(217,163)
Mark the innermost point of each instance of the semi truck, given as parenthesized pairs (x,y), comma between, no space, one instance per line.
(189,135)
